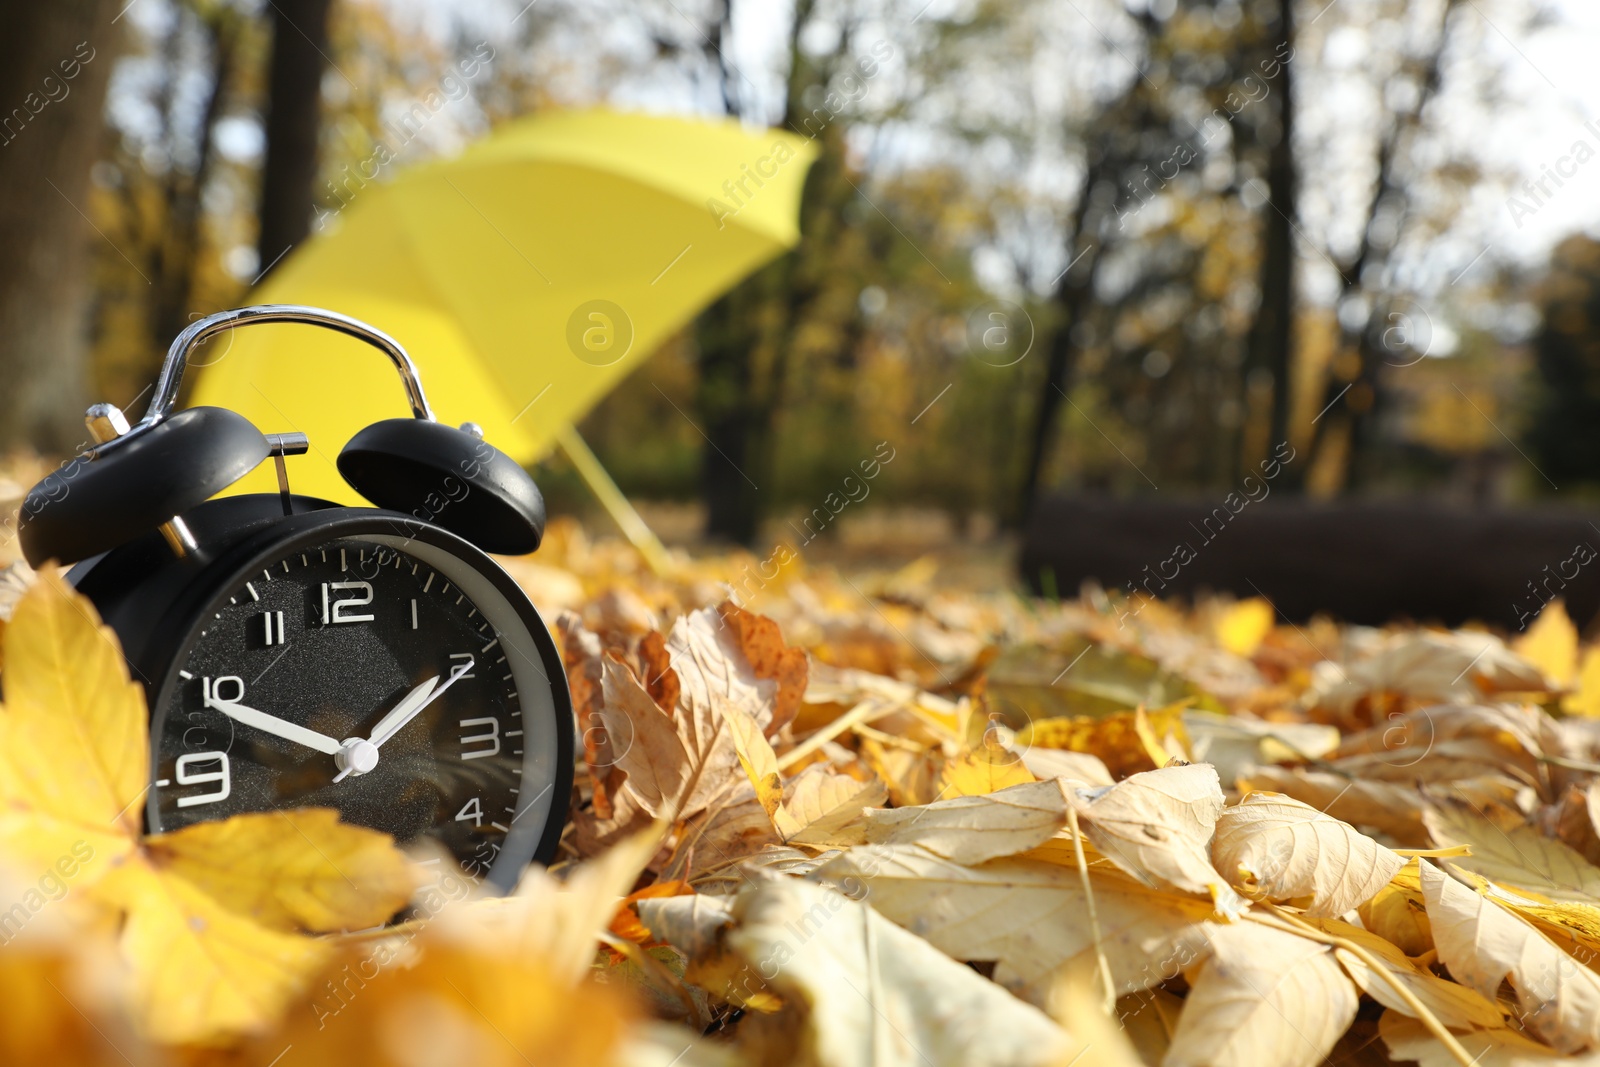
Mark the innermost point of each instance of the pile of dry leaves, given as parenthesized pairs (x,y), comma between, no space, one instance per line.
(852,821)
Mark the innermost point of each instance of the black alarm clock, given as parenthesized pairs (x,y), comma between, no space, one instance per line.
(300,653)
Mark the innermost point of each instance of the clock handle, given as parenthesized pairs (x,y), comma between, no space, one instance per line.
(166,392)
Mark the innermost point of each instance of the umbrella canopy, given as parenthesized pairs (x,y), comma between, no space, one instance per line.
(526,277)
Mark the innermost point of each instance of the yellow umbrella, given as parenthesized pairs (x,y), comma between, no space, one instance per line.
(525,277)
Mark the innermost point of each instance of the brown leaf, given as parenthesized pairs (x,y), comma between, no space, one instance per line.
(656,669)
(649,750)
(1577,819)
(582,656)
(763,646)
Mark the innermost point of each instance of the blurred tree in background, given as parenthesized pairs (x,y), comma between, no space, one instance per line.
(1095,245)
(56,57)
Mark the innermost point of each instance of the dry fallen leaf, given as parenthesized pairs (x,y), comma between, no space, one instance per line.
(1277,848)
(1390,808)
(971,829)
(1515,856)
(1158,825)
(1483,944)
(291,870)
(1408,1040)
(874,995)
(1456,1006)
(821,802)
(1551,644)
(1028,915)
(1262,996)
(1119,740)
(74,734)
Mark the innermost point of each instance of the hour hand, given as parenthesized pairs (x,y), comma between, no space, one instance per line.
(402,711)
(412,705)
(275,726)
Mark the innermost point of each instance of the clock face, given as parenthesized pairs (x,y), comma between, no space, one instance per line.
(389,678)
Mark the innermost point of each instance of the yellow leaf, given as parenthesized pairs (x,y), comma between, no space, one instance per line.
(1586,701)
(200,971)
(1551,644)
(757,759)
(1398,917)
(459,1004)
(291,870)
(1243,626)
(75,741)
(1126,741)
(55,1011)
(974,774)
(74,727)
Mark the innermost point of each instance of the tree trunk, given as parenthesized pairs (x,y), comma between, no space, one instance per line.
(294,94)
(737,400)
(726,335)
(1272,333)
(55,60)
(1074,295)
(179,251)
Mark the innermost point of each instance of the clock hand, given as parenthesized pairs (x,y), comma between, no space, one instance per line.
(277,727)
(358,756)
(402,711)
(379,735)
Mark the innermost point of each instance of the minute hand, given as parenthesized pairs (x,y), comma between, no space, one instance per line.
(382,734)
(277,727)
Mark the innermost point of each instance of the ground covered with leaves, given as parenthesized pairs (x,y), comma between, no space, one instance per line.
(850,820)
